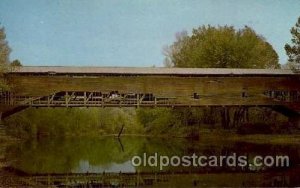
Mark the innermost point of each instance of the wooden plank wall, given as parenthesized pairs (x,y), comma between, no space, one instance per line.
(212,90)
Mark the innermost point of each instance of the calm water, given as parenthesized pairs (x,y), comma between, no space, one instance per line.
(109,154)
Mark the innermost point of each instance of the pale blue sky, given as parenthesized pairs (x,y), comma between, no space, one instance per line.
(130,32)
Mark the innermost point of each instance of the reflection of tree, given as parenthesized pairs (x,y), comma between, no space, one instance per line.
(62,155)
(121,145)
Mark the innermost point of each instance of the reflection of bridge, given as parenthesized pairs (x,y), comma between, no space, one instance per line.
(141,87)
(160,179)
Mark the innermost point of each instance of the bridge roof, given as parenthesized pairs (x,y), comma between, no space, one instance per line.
(147,71)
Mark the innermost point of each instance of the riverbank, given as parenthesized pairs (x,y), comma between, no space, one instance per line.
(223,135)
(230,135)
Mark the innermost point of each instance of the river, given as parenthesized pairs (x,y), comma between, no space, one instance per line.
(61,156)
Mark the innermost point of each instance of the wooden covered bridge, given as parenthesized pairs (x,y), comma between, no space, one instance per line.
(150,87)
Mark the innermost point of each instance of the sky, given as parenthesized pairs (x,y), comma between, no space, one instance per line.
(130,33)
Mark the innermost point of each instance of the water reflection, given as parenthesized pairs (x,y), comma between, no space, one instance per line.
(108,154)
(85,166)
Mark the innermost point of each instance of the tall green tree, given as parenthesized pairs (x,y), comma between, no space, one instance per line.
(293,50)
(4,58)
(221,47)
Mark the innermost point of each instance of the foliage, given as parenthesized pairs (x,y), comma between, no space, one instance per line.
(221,47)
(155,121)
(71,121)
(293,50)
(4,49)
(16,63)
(289,65)
(4,58)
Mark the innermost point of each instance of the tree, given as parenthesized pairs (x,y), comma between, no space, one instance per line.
(293,50)
(4,58)
(221,47)
(289,65)
(16,63)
